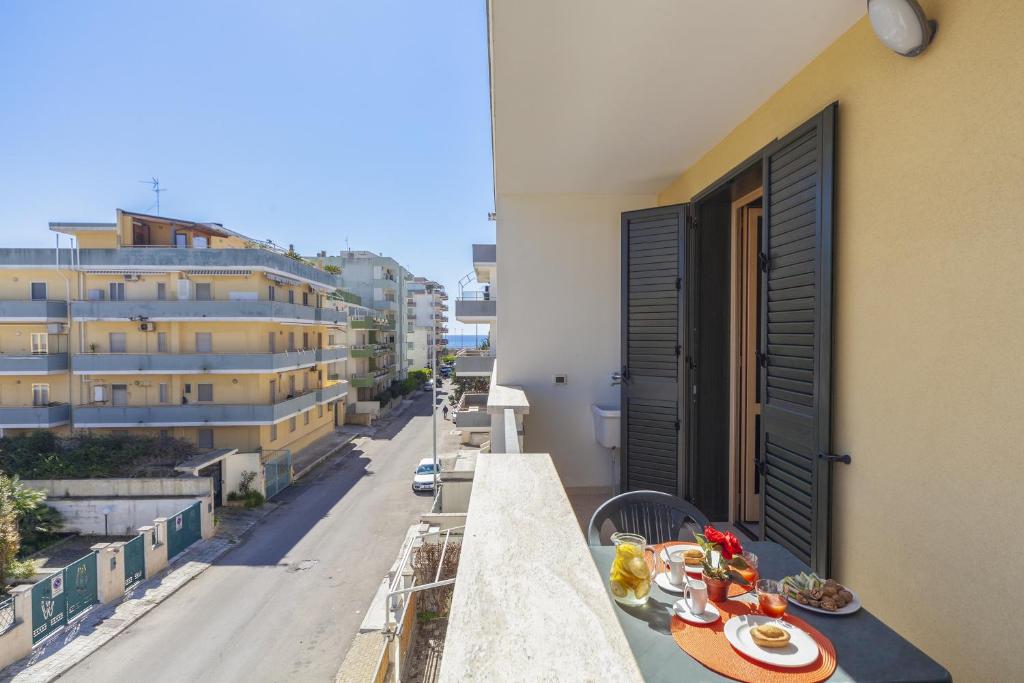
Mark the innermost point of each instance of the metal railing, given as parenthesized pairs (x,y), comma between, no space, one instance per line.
(7,615)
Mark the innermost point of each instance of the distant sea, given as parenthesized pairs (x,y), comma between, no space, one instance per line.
(465,341)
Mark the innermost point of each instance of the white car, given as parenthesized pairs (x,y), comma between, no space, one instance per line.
(423,477)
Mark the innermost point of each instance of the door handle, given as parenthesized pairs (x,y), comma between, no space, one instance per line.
(616,378)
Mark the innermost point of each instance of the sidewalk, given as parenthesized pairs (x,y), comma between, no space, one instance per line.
(318,451)
(82,637)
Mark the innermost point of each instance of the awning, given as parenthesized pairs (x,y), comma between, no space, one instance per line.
(281,279)
(198,462)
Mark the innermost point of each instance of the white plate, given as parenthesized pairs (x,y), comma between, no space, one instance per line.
(709,616)
(672,548)
(664,584)
(800,651)
(849,608)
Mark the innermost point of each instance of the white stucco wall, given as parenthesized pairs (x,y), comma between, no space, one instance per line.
(123,515)
(558,256)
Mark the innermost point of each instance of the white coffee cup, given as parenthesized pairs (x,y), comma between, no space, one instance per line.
(698,592)
(676,568)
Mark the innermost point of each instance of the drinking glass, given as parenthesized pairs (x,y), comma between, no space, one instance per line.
(750,572)
(771,598)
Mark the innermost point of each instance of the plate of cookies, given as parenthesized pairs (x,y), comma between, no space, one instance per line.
(825,596)
(771,641)
(691,552)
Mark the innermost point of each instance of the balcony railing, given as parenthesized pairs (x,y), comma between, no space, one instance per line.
(33,311)
(33,364)
(367,350)
(200,363)
(29,417)
(204,414)
(470,309)
(474,365)
(242,311)
(171,258)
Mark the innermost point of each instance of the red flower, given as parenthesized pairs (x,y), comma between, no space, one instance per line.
(727,542)
(714,536)
(731,546)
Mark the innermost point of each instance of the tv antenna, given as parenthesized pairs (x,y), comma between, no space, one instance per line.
(155,188)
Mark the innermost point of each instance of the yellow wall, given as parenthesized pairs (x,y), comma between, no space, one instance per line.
(929,322)
(16,390)
(16,285)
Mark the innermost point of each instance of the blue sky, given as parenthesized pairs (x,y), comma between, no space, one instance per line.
(305,122)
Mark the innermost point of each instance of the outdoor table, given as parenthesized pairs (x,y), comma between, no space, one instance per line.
(866,649)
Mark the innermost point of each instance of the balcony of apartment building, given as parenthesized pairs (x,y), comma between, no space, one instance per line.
(485,261)
(476,308)
(33,311)
(34,416)
(226,310)
(204,363)
(368,350)
(371,378)
(474,362)
(105,413)
(161,258)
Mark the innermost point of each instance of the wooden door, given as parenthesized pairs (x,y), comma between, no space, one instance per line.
(749,401)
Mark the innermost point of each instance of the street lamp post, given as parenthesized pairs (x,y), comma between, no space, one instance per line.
(433,407)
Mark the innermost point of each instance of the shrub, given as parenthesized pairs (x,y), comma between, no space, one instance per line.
(245,482)
(234,496)
(43,455)
(332,269)
(254,499)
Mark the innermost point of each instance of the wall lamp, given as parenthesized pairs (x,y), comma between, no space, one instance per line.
(901,25)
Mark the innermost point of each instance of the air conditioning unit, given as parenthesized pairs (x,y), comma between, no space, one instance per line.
(147,327)
(56,328)
(132,277)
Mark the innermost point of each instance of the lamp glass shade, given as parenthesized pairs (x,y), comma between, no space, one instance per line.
(899,24)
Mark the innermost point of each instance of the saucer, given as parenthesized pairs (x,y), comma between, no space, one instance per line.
(664,584)
(710,615)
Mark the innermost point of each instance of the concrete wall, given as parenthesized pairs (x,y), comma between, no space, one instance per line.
(194,487)
(235,464)
(559,313)
(86,515)
(927,372)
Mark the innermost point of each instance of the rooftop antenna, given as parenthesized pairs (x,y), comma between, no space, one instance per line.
(155,188)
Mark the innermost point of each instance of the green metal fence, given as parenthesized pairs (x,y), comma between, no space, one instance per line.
(277,472)
(80,584)
(134,561)
(49,606)
(183,529)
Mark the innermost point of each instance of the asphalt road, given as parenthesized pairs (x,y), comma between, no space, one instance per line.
(285,604)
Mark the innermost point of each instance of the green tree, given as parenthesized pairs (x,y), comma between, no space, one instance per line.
(10,539)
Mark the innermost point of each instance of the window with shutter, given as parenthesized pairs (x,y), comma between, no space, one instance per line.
(797,317)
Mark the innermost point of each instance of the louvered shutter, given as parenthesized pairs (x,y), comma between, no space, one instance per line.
(797,346)
(652,248)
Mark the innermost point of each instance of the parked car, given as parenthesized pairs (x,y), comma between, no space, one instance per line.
(423,477)
(428,385)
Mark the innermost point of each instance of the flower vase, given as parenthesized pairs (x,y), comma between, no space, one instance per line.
(718,589)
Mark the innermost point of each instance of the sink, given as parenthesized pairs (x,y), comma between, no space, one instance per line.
(606,425)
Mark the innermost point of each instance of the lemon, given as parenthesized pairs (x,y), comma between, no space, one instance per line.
(638,568)
(618,590)
(628,551)
(642,589)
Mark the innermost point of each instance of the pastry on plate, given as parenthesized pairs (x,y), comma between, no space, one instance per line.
(769,635)
(692,557)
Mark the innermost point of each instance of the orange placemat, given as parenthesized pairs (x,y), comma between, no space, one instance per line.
(709,646)
(735,589)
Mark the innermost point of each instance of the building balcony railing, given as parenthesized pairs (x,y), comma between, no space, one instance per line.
(171,258)
(371,378)
(367,350)
(240,311)
(202,363)
(34,417)
(33,364)
(39,311)
(204,414)
(474,365)
(472,309)
(364,323)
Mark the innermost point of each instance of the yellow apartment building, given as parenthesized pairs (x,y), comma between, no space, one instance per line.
(174,328)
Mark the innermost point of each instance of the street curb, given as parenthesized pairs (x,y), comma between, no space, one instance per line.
(305,470)
(179,565)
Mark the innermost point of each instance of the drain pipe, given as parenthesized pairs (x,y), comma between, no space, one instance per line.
(67,314)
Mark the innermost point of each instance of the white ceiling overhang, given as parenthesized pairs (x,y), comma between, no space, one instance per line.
(621,96)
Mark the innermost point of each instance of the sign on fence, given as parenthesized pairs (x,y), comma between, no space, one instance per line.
(134,561)
(183,530)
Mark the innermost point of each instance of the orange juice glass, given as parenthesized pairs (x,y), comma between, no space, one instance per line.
(771,598)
